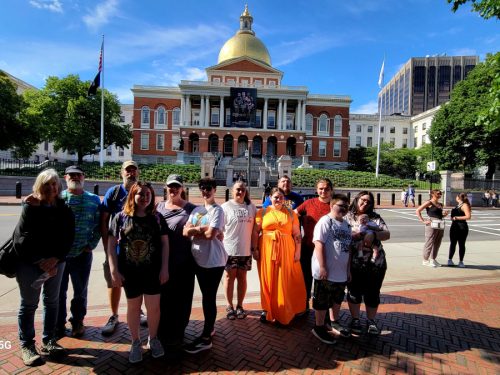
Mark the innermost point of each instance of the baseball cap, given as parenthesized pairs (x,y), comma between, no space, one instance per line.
(175,179)
(129,163)
(73,169)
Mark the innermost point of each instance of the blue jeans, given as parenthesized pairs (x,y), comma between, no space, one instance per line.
(25,275)
(78,268)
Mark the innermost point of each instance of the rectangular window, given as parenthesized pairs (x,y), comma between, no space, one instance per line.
(369,142)
(214,119)
(230,81)
(370,128)
(121,151)
(405,143)
(322,149)
(415,142)
(309,123)
(392,130)
(175,142)
(415,129)
(382,129)
(122,118)
(392,141)
(358,141)
(216,79)
(336,148)
(337,128)
(144,141)
(244,82)
(423,140)
(196,117)
(46,146)
(405,130)
(145,118)
(257,82)
(358,128)
(258,118)
(160,142)
(271,119)
(109,151)
(176,117)
(424,126)
(227,123)
(289,121)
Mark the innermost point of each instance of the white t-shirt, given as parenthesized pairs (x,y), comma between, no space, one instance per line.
(336,238)
(239,220)
(208,253)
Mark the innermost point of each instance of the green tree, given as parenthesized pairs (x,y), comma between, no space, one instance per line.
(14,131)
(485,8)
(459,140)
(72,120)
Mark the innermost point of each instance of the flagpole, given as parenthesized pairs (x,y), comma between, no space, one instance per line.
(380,85)
(101,154)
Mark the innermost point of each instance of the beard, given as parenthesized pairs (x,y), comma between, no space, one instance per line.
(128,182)
(75,185)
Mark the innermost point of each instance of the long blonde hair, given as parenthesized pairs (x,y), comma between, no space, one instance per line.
(44,177)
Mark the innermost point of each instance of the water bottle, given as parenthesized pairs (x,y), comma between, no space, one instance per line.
(37,284)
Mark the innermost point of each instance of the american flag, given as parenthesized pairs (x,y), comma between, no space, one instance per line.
(97,80)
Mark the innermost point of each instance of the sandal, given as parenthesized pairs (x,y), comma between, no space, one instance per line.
(230,313)
(240,313)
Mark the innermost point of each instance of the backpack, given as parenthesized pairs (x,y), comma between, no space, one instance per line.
(8,259)
(113,203)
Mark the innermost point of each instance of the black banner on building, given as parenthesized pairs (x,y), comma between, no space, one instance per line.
(243,107)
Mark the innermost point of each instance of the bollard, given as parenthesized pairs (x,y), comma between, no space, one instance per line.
(165,193)
(420,199)
(349,197)
(19,188)
(378,199)
(227,195)
(96,189)
(393,199)
(187,194)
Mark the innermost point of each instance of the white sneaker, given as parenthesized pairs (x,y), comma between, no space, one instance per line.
(450,263)
(461,264)
(425,263)
(435,263)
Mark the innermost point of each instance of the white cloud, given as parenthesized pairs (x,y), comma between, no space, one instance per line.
(52,5)
(368,108)
(101,14)
(464,52)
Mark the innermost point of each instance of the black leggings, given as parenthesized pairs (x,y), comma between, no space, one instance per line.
(208,280)
(458,233)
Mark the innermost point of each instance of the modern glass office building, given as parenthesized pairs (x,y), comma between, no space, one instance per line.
(424,83)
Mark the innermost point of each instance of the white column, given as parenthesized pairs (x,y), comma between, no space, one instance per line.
(283,123)
(303,115)
(207,111)
(188,110)
(221,112)
(280,106)
(298,114)
(183,109)
(202,110)
(264,114)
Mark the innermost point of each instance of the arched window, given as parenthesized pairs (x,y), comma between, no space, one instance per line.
(160,118)
(257,146)
(337,126)
(228,145)
(309,123)
(145,117)
(213,143)
(323,124)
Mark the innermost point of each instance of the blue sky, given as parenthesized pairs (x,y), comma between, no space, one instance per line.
(332,47)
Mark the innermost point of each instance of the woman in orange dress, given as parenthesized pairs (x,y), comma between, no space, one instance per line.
(277,232)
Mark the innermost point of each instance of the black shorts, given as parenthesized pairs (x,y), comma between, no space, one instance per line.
(365,286)
(241,263)
(137,284)
(327,293)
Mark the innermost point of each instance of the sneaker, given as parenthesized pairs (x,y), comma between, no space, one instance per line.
(371,328)
(110,326)
(198,345)
(434,263)
(356,327)
(461,264)
(322,335)
(342,331)
(156,348)
(240,312)
(30,356)
(144,319)
(78,329)
(52,349)
(263,317)
(425,263)
(450,263)
(135,355)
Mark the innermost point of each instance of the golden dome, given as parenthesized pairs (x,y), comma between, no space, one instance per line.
(245,43)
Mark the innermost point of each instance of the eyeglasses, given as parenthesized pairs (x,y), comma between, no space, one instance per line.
(206,188)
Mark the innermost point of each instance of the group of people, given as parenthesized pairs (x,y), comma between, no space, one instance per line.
(435,225)
(154,252)
(490,198)
(408,196)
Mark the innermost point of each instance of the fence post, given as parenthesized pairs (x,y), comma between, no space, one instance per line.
(19,188)
(378,199)
(96,189)
(227,195)
(349,196)
(187,194)
(420,199)
(393,199)
(165,193)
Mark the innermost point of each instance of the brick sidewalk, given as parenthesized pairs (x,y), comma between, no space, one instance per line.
(431,331)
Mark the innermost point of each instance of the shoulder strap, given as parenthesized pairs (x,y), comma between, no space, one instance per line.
(113,203)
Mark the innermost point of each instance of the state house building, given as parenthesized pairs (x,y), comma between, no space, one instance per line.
(241,108)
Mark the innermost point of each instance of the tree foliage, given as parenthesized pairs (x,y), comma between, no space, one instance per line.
(460,141)
(485,8)
(15,132)
(72,120)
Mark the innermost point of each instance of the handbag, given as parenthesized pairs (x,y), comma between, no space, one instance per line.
(437,224)
(8,259)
